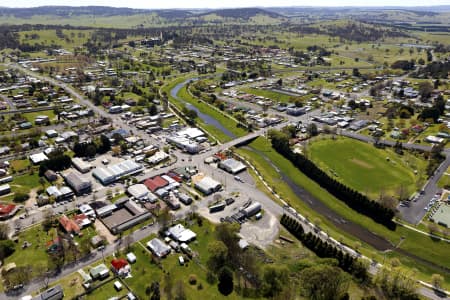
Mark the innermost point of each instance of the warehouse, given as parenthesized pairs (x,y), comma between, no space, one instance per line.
(123,215)
(232,166)
(62,193)
(184,144)
(81,165)
(155,183)
(112,173)
(207,185)
(141,192)
(79,184)
(38,158)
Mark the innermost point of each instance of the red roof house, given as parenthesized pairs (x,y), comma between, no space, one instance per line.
(7,211)
(119,263)
(70,226)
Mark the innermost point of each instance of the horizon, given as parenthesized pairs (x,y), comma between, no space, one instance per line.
(198,4)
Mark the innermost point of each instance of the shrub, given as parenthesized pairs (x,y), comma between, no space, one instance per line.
(21,197)
(192,279)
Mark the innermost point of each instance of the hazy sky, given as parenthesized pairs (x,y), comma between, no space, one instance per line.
(216,4)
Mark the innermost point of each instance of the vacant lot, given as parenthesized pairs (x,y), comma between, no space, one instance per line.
(366,168)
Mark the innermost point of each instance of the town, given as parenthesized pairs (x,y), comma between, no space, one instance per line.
(235,153)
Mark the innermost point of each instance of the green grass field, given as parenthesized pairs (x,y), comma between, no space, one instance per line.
(275,96)
(365,168)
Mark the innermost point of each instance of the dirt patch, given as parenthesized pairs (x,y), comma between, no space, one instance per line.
(261,233)
(361,163)
(32,200)
(103,231)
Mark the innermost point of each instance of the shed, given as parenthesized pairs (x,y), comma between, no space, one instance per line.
(131,258)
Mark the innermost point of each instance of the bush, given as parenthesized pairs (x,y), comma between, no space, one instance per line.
(21,197)
(210,277)
(192,279)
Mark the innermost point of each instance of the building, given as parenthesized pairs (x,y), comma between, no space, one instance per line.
(51,133)
(60,194)
(232,166)
(141,192)
(184,144)
(81,165)
(122,215)
(50,175)
(38,158)
(53,293)
(158,247)
(181,234)
(99,272)
(207,185)
(434,139)
(120,266)
(7,210)
(155,183)
(70,226)
(79,184)
(87,210)
(5,189)
(131,258)
(252,209)
(114,172)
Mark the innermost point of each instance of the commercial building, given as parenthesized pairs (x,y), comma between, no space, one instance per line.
(81,165)
(122,215)
(232,166)
(207,185)
(141,192)
(155,183)
(62,193)
(114,172)
(79,184)
(184,144)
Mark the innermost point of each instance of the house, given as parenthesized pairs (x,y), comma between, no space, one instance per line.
(70,226)
(99,272)
(7,210)
(158,247)
(120,266)
(97,241)
(82,220)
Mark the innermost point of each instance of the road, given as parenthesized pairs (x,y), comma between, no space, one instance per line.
(246,189)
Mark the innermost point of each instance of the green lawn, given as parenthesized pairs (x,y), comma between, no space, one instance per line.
(365,168)
(32,116)
(275,96)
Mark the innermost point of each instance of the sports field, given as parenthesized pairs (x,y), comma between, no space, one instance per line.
(367,169)
(442,215)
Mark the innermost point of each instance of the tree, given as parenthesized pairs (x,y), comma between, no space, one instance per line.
(48,220)
(433,228)
(312,129)
(425,89)
(180,293)
(218,255)
(437,280)
(7,248)
(324,282)
(396,285)
(274,279)
(168,285)
(225,281)
(4,231)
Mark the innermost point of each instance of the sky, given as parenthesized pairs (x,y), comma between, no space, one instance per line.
(156,4)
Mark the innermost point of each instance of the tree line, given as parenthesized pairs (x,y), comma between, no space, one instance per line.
(354,199)
(324,249)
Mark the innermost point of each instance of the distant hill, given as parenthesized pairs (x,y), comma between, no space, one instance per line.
(242,13)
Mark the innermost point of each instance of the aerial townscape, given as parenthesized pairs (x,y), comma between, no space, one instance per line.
(290,152)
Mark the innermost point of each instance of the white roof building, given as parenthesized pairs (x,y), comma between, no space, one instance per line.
(38,158)
(181,234)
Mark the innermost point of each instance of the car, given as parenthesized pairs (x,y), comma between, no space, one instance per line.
(237,178)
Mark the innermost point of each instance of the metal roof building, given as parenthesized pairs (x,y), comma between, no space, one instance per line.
(232,166)
(79,184)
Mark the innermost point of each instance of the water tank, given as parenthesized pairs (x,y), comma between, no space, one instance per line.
(252,209)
